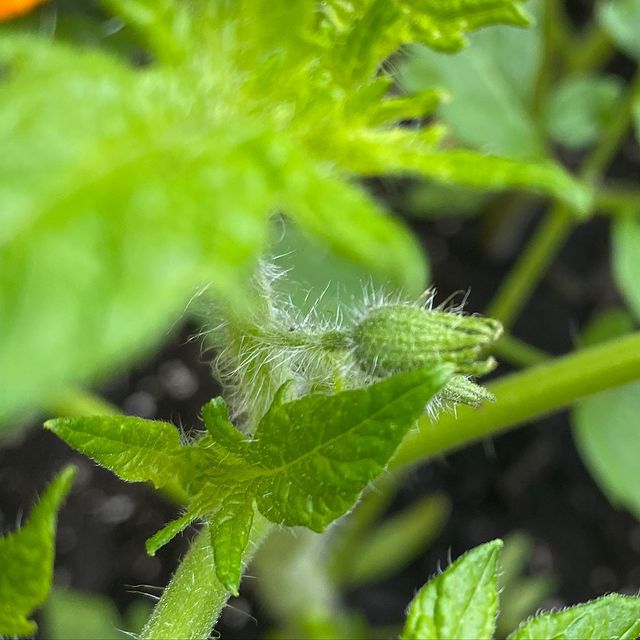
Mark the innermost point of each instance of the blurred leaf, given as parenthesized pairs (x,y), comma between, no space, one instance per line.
(613,617)
(522,600)
(462,602)
(293,562)
(620,19)
(26,558)
(442,25)
(396,542)
(607,325)
(520,595)
(74,615)
(605,428)
(477,170)
(580,107)
(490,85)
(433,200)
(95,265)
(514,557)
(605,425)
(77,615)
(626,260)
(320,278)
(124,190)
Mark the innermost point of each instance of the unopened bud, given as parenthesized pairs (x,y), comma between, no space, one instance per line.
(396,337)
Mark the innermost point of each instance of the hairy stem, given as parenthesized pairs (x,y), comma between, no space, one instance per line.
(194,599)
(525,396)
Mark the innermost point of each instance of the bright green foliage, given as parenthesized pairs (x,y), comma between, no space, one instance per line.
(614,617)
(137,450)
(26,561)
(441,25)
(306,464)
(123,190)
(620,19)
(580,107)
(462,602)
(490,86)
(626,259)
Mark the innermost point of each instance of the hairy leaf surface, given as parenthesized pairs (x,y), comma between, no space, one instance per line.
(305,466)
(26,558)
(461,602)
(613,616)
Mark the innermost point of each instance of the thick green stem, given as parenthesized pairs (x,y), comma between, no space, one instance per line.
(193,601)
(527,395)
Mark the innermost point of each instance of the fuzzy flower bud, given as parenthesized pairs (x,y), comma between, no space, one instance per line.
(397,337)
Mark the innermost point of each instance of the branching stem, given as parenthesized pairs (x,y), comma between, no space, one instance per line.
(555,228)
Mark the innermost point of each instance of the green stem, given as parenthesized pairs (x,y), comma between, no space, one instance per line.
(591,50)
(524,277)
(193,601)
(602,154)
(551,235)
(518,352)
(618,200)
(525,396)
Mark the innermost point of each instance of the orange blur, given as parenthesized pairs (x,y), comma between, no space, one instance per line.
(12,8)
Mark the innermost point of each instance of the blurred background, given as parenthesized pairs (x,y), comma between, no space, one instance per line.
(571,533)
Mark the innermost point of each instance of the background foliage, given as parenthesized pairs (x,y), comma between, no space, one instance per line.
(150,156)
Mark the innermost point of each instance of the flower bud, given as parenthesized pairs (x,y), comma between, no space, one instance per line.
(397,337)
